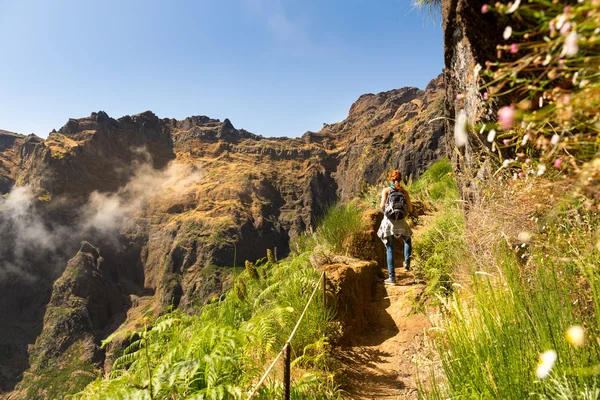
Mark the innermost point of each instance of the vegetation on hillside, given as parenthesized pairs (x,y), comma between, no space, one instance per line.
(547,67)
(523,317)
(220,353)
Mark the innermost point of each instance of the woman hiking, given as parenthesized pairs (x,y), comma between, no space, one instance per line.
(396,205)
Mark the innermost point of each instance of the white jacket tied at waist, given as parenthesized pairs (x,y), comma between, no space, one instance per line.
(393,228)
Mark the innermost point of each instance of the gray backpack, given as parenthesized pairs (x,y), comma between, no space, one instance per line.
(394,205)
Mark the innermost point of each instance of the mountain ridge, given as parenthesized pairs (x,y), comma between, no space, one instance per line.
(164,202)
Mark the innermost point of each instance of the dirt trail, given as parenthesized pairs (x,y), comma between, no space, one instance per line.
(380,364)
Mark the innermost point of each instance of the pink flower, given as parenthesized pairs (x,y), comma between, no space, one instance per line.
(459,97)
(505,141)
(566,99)
(521,174)
(566,28)
(486,96)
(528,161)
(506,117)
(557,163)
(484,8)
(514,48)
(571,46)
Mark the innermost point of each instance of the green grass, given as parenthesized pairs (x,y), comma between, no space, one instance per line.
(492,338)
(436,184)
(338,224)
(439,248)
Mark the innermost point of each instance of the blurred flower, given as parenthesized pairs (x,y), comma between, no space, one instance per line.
(566,99)
(521,174)
(560,21)
(565,28)
(514,48)
(484,8)
(547,60)
(541,101)
(524,142)
(514,6)
(491,136)
(528,161)
(507,32)
(571,46)
(575,335)
(557,163)
(555,139)
(460,129)
(476,70)
(547,360)
(524,237)
(505,142)
(459,97)
(486,96)
(541,169)
(506,163)
(506,117)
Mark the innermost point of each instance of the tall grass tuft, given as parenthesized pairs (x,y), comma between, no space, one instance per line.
(436,184)
(338,224)
(440,245)
(492,338)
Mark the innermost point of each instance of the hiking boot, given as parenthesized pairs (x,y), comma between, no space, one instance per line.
(389,281)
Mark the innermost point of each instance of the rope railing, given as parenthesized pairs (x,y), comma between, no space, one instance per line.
(286,347)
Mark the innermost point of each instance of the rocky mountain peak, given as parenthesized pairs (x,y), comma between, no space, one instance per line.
(371,102)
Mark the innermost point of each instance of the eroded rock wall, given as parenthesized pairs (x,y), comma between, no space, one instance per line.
(470,38)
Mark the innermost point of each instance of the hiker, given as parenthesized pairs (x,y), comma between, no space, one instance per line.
(396,205)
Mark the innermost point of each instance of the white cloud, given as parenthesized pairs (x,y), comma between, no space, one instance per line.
(26,232)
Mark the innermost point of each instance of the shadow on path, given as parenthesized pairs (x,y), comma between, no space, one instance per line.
(379,363)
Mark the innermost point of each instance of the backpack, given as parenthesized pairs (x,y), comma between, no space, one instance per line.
(394,205)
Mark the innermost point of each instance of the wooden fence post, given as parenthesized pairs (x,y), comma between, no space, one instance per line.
(286,371)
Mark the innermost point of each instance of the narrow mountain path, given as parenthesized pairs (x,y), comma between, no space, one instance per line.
(380,364)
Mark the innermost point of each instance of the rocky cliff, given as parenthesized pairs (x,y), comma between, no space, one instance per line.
(163,207)
(466,45)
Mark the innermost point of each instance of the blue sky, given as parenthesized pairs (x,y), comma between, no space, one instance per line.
(273,67)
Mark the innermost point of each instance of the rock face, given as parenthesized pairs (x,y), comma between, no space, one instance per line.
(466,44)
(167,205)
(400,129)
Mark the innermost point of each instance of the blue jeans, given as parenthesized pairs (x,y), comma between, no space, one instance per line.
(389,251)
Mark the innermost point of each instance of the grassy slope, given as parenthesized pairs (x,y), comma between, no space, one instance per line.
(511,297)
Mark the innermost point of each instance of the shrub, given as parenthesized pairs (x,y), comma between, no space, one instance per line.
(221,352)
